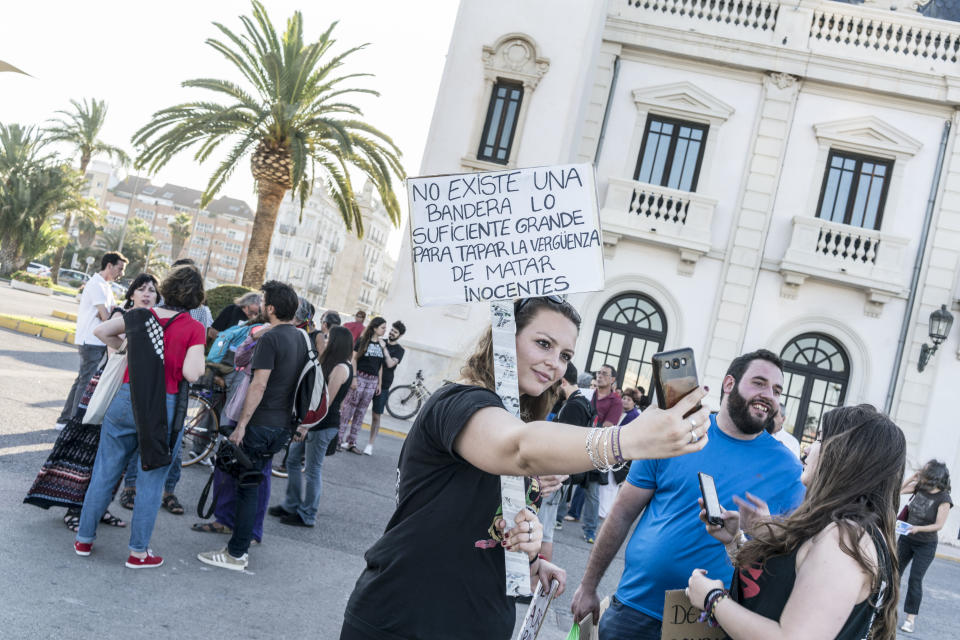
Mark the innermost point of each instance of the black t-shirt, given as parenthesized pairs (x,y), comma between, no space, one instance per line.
(576,411)
(923,511)
(332,419)
(283,350)
(231,316)
(396,352)
(369,362)
(425,577)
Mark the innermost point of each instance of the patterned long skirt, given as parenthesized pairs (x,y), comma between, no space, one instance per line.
(63,479)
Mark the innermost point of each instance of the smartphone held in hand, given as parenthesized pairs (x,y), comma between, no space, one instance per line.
(710,500)
(674,376)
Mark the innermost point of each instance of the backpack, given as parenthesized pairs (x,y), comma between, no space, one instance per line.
(310,402)
(225,345)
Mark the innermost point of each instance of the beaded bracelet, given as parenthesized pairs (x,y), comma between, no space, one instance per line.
(590,451)
(617,451)
(604,440)
(710,606)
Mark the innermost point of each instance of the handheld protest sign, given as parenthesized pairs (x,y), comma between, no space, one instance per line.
(496,236)
(502,235)
(681,619)
(537,612)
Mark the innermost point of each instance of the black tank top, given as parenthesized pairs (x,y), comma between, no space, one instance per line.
(332,419)
(765,591)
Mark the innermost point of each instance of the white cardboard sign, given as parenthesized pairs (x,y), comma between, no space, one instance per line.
(501,235)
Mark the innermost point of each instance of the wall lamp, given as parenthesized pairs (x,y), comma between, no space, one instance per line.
(940,322)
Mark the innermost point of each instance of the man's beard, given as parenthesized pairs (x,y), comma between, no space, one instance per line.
(739,410)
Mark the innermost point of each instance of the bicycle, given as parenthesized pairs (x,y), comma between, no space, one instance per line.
(202,423)
(404,402)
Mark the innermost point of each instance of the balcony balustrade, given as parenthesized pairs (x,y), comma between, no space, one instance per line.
(853,256)
(658,215)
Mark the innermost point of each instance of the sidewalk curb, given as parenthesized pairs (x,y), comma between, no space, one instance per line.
(395,434)
(35,330)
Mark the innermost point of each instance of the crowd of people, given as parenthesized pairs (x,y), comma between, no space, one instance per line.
(139,359)
(809,545)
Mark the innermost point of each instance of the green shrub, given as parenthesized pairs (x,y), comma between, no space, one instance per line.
(220,297)
(29,278)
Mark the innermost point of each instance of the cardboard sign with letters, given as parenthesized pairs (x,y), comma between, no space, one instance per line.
(680,620)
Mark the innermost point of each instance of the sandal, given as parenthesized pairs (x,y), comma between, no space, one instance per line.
(171,504)
(127,496)
(211,527)
(353,449)
(112,520)
(72,520)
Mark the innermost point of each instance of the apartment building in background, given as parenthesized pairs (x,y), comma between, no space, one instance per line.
(220,233)
(331,267)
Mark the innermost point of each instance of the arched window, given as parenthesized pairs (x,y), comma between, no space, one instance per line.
(816,370)
(630,329)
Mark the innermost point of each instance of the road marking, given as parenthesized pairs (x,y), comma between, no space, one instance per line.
(26,448)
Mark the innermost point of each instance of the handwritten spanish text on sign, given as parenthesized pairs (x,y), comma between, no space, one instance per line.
(501,235)
(681,620)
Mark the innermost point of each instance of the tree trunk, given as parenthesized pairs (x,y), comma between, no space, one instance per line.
(58,256)
(7,255)
(269,196)
(176,247)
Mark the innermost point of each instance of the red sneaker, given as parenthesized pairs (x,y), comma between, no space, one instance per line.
(150,562)
(82,548)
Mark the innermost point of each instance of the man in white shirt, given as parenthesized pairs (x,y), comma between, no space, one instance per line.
(96,303)
(775,428)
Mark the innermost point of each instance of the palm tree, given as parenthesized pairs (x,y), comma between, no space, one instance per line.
(287,107)
(81,128)
(34,186)
(180,228)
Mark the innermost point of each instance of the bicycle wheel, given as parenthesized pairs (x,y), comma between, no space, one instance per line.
(403,402)
(200,430)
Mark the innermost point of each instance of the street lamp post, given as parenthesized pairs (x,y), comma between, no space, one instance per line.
(126,221)
(940,322)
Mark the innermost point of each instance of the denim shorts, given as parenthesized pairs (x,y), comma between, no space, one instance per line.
(380,402)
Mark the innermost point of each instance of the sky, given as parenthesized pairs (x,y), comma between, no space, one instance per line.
(135,55)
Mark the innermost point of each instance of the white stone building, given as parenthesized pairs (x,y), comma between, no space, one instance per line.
(328,265)
(769,175)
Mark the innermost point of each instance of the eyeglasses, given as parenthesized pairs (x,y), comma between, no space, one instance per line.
(557,300)
(602,373)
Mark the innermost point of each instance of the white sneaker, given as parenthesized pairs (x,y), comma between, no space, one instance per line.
(368,450)
(60,426)
(223,559)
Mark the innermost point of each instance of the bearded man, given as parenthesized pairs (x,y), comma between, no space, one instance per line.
(670,541)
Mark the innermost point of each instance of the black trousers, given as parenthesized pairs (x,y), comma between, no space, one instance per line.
(922,555)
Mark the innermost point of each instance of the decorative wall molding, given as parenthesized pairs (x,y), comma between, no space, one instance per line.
(517,57)
(868,134)
(683,100)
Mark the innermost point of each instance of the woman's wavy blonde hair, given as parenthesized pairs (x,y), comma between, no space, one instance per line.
(479,369)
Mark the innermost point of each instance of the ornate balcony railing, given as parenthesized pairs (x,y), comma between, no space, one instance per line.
(854,256)
(871,34)
(659,215)
(885,33)
(750,14)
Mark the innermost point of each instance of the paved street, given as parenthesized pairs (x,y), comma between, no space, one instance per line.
(31,304)
(298,581)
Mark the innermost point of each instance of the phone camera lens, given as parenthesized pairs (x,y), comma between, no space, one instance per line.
(676,363)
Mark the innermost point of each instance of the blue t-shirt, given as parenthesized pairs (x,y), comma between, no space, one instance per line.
(670,541)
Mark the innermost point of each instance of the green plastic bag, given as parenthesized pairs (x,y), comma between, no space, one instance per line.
(574,632)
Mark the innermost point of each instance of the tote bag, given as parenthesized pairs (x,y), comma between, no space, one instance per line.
(110,380)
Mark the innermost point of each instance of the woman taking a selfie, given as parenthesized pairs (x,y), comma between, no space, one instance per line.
(440,562)
(827,570)
(926,514)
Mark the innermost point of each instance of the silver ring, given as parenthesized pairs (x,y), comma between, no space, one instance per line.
(530,536)
(693,436)
(693,423)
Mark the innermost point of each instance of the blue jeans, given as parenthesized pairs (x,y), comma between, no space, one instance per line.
(622,622)
(590,516)
(118,440)
(576,504)
(173,476)
(260,443)
(306,499)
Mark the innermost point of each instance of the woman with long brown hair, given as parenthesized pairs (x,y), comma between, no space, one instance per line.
(438,570)
(829,569)
(926,514)
(367,365)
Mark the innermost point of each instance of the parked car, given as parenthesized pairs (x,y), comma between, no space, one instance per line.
(38,269)
(73,277)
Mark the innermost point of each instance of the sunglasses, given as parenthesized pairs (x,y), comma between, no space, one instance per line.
(557,300)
